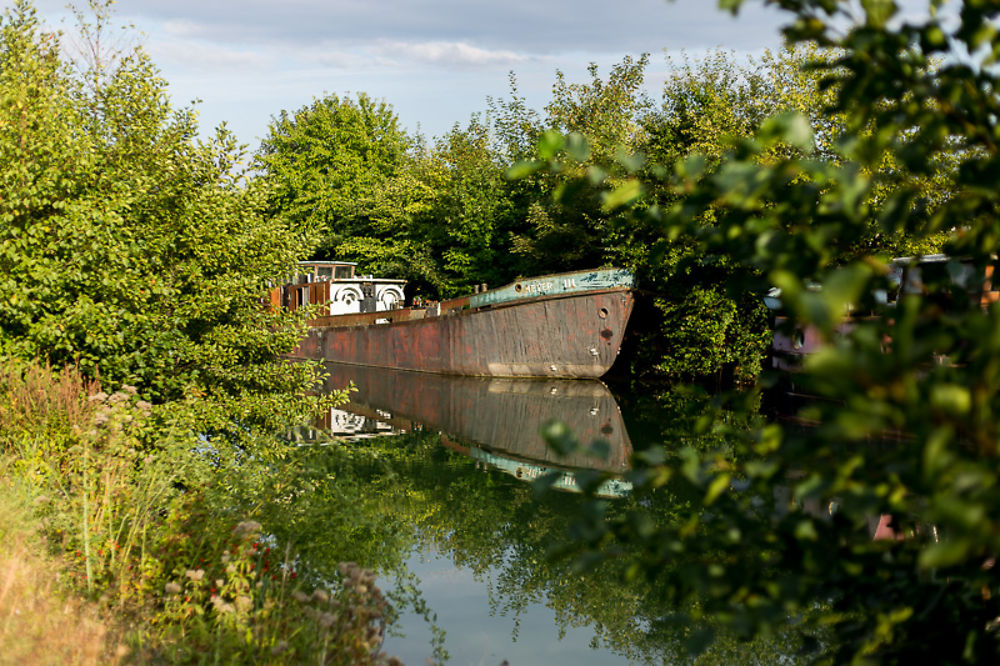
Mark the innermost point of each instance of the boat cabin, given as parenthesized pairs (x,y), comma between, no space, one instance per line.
(337,285)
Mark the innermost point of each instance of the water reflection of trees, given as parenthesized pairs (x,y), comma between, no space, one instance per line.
(374,501)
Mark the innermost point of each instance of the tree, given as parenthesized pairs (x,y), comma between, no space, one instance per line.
(127,246)
(469,210)
(563,227)
(335,163)
(778,529)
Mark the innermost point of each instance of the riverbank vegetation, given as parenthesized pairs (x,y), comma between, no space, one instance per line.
(141,391)
(900,427)
(142,398)
(158,536)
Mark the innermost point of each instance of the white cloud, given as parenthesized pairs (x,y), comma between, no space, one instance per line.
(436,61)
(449,53)
(186,29)
(206,56)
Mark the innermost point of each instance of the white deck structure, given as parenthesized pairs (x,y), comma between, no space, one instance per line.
(348,293)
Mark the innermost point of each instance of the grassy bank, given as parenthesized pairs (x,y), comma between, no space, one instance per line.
(41,620)
(117,512)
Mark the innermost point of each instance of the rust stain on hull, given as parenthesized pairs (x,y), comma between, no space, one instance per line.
(570,336)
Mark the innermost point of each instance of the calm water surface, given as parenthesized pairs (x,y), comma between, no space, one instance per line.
(435,489)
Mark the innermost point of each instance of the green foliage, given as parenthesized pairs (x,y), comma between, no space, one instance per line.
(339,164)
(128,246)
(779,528)
(146,525)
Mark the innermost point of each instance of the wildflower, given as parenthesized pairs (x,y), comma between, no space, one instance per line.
(117,397)
(243,603)
(144,406)
(128,388)
(321,596)
(222,605)
(218,582)
(300,596)
(326,620)
(98,397)
(195,574)
(172,588)
(247,527)
(100,418)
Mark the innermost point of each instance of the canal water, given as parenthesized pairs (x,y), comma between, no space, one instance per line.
(436,492)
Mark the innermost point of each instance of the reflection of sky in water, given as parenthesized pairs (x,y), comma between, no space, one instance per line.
(477,637)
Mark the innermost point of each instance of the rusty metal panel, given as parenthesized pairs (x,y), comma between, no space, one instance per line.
(274,299)
(573,335)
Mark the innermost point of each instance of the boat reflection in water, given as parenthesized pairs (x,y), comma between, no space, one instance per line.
(494,421)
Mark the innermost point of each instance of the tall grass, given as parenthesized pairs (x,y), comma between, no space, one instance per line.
(135,511)
(40,621)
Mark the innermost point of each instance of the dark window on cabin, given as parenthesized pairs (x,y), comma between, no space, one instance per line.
(325,272)
(343,272)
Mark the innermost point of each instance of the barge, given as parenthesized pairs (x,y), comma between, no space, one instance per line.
(568,325)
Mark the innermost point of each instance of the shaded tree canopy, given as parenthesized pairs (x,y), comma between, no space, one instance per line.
(901,428)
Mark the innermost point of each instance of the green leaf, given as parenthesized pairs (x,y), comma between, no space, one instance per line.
(577,147)
(623,195)
(878,12)
(523,169)
(550,143)
(790,127)
(946,553)
(560,438)
(718,486)
(952,399)
(631,161)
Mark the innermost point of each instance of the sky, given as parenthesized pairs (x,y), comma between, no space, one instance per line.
(434,61)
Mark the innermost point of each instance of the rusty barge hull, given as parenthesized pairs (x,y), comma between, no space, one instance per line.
(567,335)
